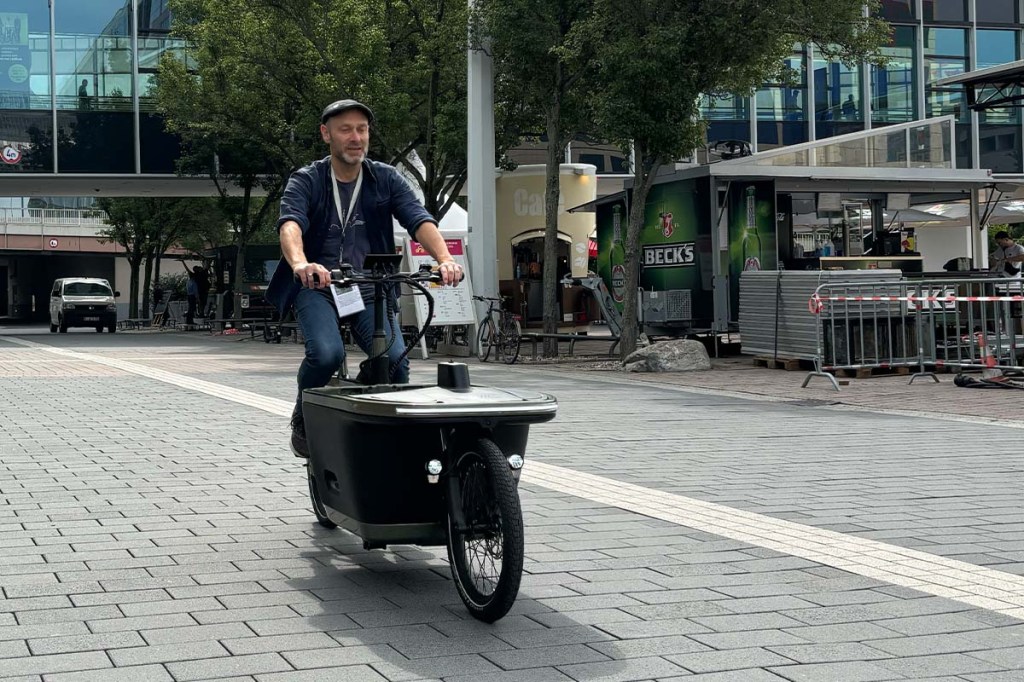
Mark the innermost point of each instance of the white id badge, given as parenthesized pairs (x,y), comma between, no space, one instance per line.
(348,301)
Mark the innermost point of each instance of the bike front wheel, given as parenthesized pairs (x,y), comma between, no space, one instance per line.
(484,340)
(511,336)
(485,544)
(318,506)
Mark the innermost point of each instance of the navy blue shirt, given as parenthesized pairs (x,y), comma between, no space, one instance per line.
(308,200)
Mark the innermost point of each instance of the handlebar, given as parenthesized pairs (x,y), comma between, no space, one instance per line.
(500,299)
(345,277)
(381,275)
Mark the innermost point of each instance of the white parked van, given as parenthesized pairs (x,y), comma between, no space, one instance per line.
(83,302)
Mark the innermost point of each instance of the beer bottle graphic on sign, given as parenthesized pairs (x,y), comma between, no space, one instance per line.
(751,258)
(617,258)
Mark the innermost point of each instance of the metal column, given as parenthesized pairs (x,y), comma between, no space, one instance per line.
(979,233)
(483,248)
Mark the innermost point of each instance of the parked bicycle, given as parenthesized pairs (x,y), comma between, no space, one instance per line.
(500,332)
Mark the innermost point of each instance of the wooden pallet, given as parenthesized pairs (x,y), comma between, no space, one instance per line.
(866,372)
(788,364)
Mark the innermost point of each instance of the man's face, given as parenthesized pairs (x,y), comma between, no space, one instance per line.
(348,135)
(1004,242)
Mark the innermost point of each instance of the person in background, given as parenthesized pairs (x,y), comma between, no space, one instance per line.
(83,94)
(202,279)
(192,291)
(1008,257)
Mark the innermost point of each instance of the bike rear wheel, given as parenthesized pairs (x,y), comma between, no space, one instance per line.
(511,336)
(318,506)
(485,549)
(485,339)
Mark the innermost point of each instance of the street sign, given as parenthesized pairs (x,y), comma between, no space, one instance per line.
(10,155)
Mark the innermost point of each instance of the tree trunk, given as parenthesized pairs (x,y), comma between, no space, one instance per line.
(237,286)
(552,190)
(643,178)
(156,268)
(134,263)
(147,284)
(245,226)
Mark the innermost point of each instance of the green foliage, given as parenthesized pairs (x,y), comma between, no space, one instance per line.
(529,41)
(173,284)
(147,227)
(1016,232)
(264,70)
(656,58)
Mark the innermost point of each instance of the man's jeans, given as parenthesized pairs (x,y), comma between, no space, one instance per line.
(318,319)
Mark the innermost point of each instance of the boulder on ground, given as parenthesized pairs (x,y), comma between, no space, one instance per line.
(669,356)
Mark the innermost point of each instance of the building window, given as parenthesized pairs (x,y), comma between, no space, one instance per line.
(999,131)
(997,47)
(946,10)
(785,101)
(897,10)
(93,55)
(945,52)
(607,158)
(93,65)
(837,98)
(996,12)
(894,85)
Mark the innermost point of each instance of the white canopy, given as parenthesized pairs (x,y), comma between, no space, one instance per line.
(959,214)
(453,224)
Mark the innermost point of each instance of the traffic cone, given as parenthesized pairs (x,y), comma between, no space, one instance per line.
(988,359)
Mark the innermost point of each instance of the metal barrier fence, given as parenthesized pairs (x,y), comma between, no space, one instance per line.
(922,324)
(52,216)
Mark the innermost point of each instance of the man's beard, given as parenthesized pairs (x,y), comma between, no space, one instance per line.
(347,156)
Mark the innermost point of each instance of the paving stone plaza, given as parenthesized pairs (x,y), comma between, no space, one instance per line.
(154,526)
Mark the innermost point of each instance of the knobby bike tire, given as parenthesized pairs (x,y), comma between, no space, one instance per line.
(314,498)
(493,529)
(511,336)
(485,339)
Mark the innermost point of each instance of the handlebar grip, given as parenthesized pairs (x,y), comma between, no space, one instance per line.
(316,278)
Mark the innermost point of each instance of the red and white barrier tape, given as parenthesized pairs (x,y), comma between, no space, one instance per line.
(817,303)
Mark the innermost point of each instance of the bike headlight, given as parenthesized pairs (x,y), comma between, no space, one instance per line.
(433,471)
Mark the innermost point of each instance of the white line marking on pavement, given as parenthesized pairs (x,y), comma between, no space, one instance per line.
(272,405)
(758,397)
(969,584)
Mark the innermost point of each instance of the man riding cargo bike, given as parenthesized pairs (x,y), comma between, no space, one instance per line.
(391,462)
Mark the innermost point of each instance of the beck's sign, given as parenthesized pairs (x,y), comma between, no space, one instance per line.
(669,255)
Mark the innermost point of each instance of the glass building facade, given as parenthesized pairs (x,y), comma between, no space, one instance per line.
(75,86)
(931,40)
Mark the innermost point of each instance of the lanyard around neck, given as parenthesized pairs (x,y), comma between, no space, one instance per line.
(346,218)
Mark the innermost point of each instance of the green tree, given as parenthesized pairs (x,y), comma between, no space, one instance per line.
(404,58)
(658,57)
(528,40)
(128,226)
(147,228)
(247,97)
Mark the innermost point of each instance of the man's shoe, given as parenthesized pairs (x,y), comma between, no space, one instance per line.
(300,448)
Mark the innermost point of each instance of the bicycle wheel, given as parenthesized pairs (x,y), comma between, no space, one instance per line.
(485,339)
(318,505)
(511,336)
(486,550)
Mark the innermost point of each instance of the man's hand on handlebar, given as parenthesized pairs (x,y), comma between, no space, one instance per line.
(312,275)
(451,273)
